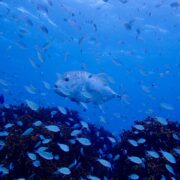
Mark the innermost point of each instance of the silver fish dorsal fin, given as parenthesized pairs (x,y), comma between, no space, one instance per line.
(105,78)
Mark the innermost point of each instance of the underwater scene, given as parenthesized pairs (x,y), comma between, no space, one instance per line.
(89,90)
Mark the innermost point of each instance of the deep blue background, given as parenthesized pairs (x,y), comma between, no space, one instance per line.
(97,37)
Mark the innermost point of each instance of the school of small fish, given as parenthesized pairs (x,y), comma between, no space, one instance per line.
(33,19)
(69,144)
(102,51)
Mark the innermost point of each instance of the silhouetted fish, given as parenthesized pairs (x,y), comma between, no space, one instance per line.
(175,4)
(84,87)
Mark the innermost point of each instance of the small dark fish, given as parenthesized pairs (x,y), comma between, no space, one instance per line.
(20,35)
(46,45)
(123,1)
(44,29)
(42,8)
(23,31)
(50,3)
(138,31)
(128,25)
(1,99)
(95,27)
(175,4)
(29,22)
(21,44)
(81,40)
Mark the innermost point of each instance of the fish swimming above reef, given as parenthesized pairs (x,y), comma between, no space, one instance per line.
(84,87)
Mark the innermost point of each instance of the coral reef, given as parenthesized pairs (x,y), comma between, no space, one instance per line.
(149,140)
(24,131)
(53,143)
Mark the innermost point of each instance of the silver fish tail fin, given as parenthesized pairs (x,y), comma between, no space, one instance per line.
(118,96)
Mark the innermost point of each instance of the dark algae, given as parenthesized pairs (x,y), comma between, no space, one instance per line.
(29,131)
(158,149)
(49,144)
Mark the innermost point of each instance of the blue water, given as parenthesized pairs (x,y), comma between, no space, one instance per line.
(135,43)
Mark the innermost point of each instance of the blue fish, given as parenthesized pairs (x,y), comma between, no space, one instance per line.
(2,144)
(52,128)
(27,132)
(168,156)
(104,162)
(4,133)
(139,127)
(64,171)
(44,154)
(3,171)
(153,154)
(36,163)
(170,169)
(84,141)
(133,142)
(64,147)
(133,176)
(1,99)
(32,156)
(93,177)
(37,123)
(135,159)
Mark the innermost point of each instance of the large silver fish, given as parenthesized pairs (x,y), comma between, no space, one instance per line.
(84,87)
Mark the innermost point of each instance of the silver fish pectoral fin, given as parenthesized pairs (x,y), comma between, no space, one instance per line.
(83,105)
